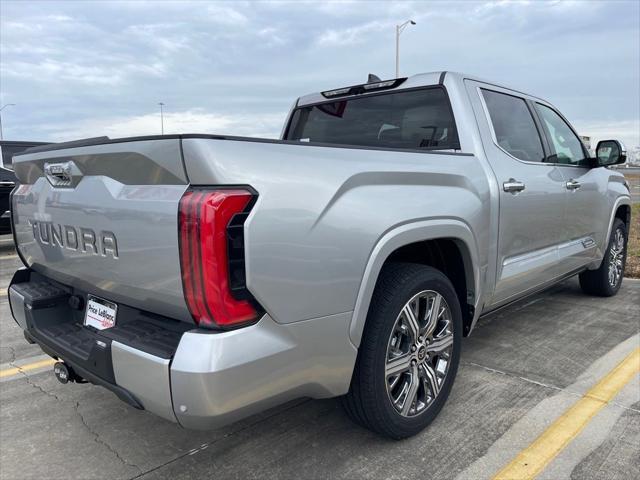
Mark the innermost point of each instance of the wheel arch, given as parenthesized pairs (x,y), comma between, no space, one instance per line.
(621,209)
(446,244)
(623,212)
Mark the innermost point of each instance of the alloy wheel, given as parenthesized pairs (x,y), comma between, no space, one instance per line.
(419,353)
(616,258)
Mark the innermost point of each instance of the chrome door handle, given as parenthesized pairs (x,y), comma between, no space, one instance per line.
(512,186)
(573,184)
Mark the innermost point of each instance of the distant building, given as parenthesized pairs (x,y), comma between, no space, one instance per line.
(586,141)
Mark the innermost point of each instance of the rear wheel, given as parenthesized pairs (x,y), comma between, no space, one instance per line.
(606,280)
(409,354)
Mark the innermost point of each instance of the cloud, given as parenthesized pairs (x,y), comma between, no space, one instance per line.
(224,15)
(350,35)
(78,69)
(628,131)
(188,121)
(78,73)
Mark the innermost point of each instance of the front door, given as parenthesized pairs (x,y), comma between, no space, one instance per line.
(586,215)
(532,192)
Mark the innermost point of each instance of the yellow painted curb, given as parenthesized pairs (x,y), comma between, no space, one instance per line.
(533,459)
(25,368)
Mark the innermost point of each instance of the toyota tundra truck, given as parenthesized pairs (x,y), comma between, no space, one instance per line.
(205,278)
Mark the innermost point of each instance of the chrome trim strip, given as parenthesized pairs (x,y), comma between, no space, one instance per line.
(516,265)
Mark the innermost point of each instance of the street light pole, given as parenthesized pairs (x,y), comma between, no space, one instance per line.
(161,118)
(399,29)
(2,108)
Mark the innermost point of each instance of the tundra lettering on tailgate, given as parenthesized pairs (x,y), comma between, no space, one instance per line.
(78,239)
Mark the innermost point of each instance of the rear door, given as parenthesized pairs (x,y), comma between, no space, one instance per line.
(532,192)
(103,218)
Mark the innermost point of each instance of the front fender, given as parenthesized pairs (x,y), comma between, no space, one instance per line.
(620,201)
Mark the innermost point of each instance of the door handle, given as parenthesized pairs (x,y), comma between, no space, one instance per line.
(573,184)
(512,186)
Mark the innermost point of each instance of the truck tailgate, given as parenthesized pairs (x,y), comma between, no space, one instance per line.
(104,219)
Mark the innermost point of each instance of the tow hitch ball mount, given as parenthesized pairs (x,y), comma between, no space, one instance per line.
(65,374)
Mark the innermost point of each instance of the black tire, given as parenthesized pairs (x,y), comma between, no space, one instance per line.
(597,282)
(368,403)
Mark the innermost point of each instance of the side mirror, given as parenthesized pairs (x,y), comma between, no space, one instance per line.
(610,152)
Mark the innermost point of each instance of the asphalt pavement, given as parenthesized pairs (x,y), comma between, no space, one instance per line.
(528,376)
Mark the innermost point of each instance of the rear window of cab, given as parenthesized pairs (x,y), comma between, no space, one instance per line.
(413,119)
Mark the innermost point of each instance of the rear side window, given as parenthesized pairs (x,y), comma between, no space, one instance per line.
(417,119)
(513,126)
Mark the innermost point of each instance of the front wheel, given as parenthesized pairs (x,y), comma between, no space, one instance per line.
(606,280)
(409,354)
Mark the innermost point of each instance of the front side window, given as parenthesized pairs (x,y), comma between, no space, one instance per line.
(566,146)
(514,126)
(418,119)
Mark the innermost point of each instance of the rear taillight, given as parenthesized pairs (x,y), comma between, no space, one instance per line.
(212,256)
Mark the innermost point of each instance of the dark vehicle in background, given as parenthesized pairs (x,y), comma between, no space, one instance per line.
(8,179)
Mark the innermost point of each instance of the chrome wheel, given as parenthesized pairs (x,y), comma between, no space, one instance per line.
(616,258)
(419,353)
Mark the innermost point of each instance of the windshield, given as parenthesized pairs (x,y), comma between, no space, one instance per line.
(417,119)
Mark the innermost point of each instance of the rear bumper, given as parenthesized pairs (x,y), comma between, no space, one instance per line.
(200,379)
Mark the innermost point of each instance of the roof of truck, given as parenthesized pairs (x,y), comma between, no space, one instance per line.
(414,81)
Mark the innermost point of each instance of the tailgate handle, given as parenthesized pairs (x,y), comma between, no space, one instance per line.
(61,174)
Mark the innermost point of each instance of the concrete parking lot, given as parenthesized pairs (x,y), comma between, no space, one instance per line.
(521,373)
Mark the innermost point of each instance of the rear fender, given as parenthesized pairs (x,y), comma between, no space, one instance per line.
(404,235)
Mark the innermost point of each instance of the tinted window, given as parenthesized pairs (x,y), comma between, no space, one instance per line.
(513,125)
(416,119)
(566,146)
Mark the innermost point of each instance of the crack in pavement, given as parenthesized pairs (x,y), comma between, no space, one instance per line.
(99,440)
(33,384)
(76,408)
(541,384)
(206,445)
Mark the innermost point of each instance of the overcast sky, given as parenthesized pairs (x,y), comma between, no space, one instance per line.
(82,69)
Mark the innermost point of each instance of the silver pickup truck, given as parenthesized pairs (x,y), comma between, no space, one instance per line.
(205,278)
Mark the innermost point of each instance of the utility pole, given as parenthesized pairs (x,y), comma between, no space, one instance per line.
(2,108)
(399,29)
(161,118)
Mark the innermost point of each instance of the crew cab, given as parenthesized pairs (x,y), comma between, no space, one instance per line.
(205,278)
